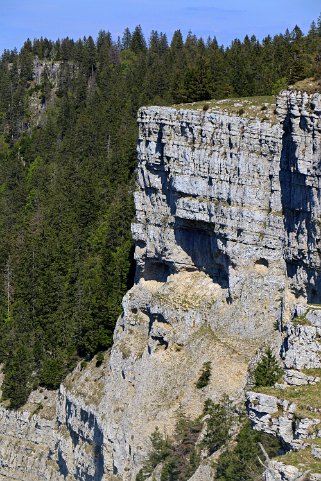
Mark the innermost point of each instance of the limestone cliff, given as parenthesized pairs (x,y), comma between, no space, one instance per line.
(227,237)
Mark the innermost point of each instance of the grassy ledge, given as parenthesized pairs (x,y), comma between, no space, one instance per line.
(260,107)
(303,460)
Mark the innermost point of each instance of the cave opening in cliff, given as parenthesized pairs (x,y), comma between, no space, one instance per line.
(262,262)
(156,270)
(314,291)
(204,247)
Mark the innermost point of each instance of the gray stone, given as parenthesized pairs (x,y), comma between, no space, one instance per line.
(298,378)
(316,452)
(302,348)
(314,316)
(281,472)
(273,415)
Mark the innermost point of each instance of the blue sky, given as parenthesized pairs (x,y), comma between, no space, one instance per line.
(227,19)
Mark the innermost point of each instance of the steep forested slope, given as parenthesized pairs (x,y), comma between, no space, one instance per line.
(67,153)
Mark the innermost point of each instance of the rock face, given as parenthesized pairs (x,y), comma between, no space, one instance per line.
(227,236)
(277,416)
(282,472)
(209,200)
(299,178)
(52,72)
(302,347)
(27,440)
(296,422)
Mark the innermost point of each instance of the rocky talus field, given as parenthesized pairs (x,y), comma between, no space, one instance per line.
(227,244)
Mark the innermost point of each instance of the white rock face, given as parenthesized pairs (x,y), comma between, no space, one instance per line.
(303,349)
(275,415)
(27,440)
(227,239)
(302,346)
(209,200)
(282,472)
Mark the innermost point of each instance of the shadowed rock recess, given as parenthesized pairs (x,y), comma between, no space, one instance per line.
(227,236)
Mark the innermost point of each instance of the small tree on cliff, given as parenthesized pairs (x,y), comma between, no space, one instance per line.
(267,371)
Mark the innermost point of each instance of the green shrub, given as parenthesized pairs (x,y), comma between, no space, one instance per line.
(99,359)
(140,475)
(37,409)
(185,453)
(170,470)
(242,462)
(267,371)
(161,448)
(204,378)
(218,424)
(180,458)
(280,84)
(17,382)
(83,364)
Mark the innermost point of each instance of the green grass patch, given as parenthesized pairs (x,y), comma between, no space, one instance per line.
(304,396)
(309,85)
(303,460)
(301,321)
(315,372)
(259,107)
(302,412)
(316,442)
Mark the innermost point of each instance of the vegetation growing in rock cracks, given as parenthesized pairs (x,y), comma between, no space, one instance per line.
(241,462)
(218,420)
(180,456)
(205,375)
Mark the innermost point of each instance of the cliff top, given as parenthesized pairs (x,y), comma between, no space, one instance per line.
(308,85)
(260,107)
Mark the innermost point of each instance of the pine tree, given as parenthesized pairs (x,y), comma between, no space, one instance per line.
(267,370)
(137,41)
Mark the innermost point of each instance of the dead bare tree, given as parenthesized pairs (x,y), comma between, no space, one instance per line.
(270,475)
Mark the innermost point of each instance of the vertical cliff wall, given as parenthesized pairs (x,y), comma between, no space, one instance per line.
(209,200)
(300,171)
(227,237)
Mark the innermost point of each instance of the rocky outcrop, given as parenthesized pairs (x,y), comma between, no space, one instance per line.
(296,422)
(28,439)
(209,200)
(302,346)
(283,472)
(299,179)
(298,378)
(227,241)
(50,69)
(278,417)
(46,78)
